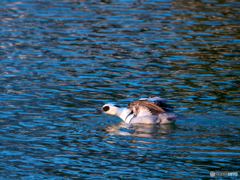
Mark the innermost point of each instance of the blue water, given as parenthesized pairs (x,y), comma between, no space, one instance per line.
(62,59)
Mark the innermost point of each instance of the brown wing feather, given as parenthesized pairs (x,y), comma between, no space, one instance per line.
(152,106)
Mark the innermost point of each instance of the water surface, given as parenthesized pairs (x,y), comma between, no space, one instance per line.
(62,59)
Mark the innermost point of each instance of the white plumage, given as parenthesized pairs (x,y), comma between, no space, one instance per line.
(152,110)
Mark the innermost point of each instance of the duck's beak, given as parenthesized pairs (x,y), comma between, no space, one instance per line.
(99,110)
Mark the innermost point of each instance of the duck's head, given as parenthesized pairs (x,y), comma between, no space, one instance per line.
(111,109)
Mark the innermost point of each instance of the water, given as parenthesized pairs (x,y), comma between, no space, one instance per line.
(62,59)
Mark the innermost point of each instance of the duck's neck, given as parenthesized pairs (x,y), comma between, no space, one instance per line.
(123,113)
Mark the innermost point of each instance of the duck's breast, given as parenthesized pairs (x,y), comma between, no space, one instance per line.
(145,120)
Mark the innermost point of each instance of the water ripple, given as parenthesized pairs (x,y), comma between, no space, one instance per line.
(62,59)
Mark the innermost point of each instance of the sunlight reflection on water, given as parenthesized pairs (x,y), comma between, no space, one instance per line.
(62,59)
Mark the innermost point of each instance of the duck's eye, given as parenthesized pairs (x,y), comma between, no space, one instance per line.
(106,108)
(117,106)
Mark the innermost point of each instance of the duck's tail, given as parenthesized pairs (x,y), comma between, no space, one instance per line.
(169,117)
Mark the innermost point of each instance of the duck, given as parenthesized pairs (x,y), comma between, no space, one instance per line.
(152,110)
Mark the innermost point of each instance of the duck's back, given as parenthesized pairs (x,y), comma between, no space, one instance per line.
(151,111)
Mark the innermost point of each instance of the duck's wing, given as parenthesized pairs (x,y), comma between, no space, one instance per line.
(160,102)
(144,108)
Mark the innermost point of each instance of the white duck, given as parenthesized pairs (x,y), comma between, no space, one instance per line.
(152,110)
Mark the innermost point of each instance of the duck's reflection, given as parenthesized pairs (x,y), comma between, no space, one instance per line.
(141,130)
